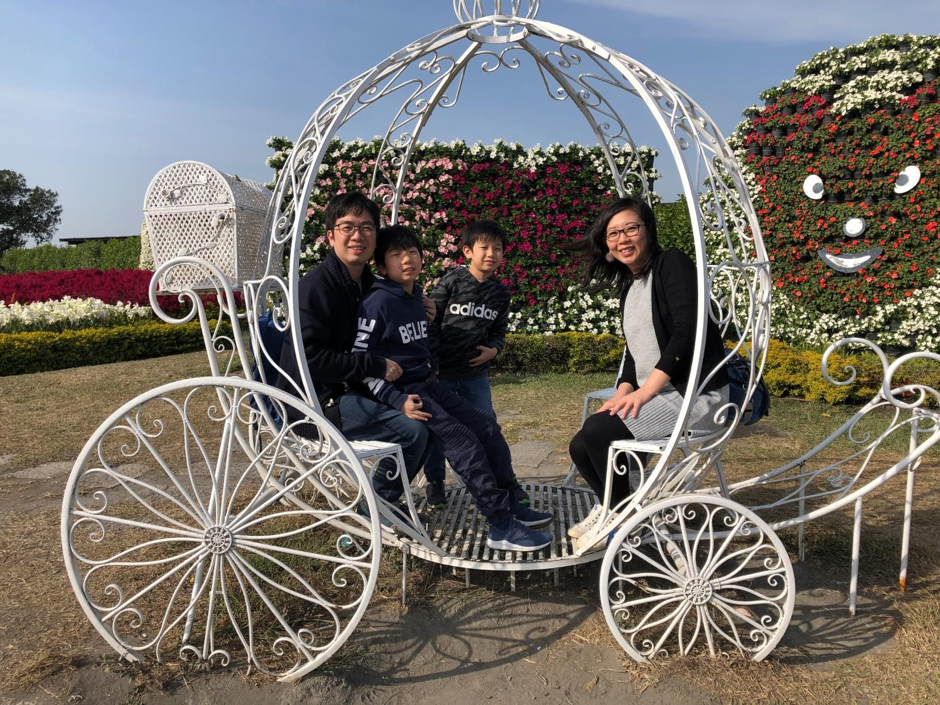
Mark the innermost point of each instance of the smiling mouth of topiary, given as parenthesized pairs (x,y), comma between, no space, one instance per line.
(849,264)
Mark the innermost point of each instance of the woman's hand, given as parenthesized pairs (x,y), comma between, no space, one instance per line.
(622,391)
(412,408)
(629,401)
(632,402)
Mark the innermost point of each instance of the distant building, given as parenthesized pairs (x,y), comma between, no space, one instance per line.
(80,240)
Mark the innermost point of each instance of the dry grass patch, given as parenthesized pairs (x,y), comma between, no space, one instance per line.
(45,631)
(57,411)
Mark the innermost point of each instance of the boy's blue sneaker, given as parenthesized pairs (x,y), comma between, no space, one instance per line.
(530,517)
(511,535)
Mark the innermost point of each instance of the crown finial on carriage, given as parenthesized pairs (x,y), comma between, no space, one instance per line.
(470,10)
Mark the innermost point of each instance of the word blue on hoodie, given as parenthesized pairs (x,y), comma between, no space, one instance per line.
(394,325)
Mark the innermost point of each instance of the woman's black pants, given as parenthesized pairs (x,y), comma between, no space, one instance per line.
(588,451)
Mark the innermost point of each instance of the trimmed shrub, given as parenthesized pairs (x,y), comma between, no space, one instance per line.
(22,353)
(841,162)
(108,254)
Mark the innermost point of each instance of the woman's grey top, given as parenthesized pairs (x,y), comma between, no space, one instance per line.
(657,418)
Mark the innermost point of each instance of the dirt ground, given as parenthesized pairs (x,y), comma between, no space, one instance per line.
(541,642)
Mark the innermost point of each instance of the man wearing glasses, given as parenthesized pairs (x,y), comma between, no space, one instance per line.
(329,299)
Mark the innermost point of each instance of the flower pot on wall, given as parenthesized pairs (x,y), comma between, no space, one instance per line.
(780,150)
(792,129)
(753,148)
(828,97)
(767,150)
(788,110)
(929,76)
(777,132)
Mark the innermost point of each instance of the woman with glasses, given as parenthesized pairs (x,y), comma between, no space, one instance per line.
(658,299)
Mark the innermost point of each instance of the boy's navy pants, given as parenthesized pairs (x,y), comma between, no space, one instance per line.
(473,445)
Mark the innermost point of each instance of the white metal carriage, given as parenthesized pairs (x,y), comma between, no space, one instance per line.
(197,523)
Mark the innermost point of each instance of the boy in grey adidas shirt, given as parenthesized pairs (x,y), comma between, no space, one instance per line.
(468,331)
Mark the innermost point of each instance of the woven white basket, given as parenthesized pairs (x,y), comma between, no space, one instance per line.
(195,210)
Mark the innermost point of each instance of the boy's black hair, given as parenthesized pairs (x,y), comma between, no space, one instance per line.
(483,229)
(395,236)
(354,202)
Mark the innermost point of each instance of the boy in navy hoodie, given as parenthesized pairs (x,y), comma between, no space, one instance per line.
(392,324)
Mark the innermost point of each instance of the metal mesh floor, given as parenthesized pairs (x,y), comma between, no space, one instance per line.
(461,531)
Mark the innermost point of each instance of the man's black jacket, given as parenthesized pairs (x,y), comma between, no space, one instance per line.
(329,300)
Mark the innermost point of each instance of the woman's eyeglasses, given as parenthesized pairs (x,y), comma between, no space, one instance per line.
(631,230)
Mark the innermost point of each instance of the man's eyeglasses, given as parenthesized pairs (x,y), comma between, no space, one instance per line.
(347,229)
(631,230)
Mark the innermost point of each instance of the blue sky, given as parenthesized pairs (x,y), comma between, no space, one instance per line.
(96,96)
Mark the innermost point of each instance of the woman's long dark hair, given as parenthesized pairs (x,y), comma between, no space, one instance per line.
(599,273)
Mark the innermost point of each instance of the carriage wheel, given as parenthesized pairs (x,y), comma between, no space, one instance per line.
(194,527)
(696,573)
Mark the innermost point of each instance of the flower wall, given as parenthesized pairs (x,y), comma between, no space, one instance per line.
(543,197)
(843,159)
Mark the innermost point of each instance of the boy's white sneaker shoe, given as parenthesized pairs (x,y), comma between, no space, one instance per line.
(582,527)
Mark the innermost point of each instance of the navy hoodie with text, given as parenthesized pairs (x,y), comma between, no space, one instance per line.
(393,324)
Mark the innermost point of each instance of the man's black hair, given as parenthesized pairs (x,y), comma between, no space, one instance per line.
(355,203)
(395,237)
(483,229)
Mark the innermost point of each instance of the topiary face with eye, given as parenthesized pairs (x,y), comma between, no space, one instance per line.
(845,158)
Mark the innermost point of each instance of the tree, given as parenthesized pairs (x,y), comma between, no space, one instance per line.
(26,213)
(674,227)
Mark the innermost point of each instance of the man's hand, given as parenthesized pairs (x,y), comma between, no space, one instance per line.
(430,308)
(486,354)
(412,408)
(392,370)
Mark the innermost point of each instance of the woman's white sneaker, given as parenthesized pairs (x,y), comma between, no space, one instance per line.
(598,544)
(582,527)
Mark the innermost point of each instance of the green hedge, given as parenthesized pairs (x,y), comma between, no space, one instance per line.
(22,353)
(789,372)
(108,254)
(563,352)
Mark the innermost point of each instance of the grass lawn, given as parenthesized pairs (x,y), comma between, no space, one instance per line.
(48,417)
